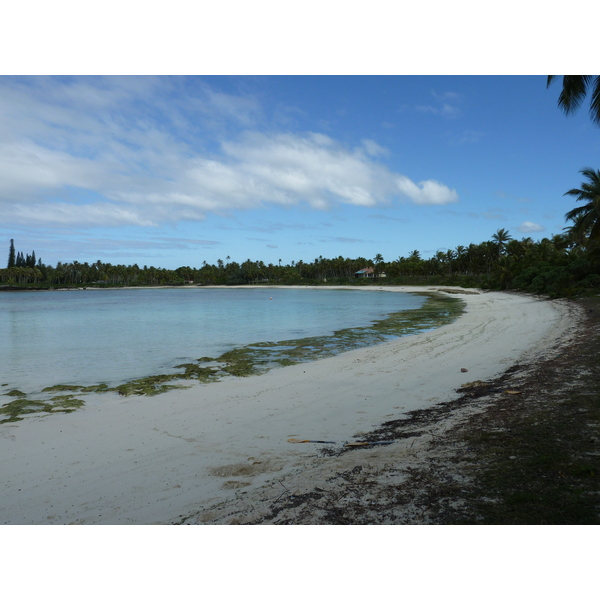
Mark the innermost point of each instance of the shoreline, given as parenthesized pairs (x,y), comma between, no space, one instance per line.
(254,358)
(175,457)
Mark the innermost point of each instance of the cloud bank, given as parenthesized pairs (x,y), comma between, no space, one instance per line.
(144,151)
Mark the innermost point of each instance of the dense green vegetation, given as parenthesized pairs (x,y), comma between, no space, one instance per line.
(564,265)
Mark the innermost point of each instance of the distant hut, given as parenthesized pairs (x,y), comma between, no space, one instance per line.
(368,272)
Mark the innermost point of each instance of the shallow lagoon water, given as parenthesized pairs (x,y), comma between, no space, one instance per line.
(86,337)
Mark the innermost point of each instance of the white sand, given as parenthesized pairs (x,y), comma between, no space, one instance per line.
(150,460)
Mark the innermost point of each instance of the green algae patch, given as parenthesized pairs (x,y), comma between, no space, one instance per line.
(287,362)
(18,409)
(147,386)
(17,393)
(157,384)
(96,389)
(66,404)
(242,362)
(14,411)
(62,388)
(195,371)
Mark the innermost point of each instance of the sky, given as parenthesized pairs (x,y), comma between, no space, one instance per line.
(177,170)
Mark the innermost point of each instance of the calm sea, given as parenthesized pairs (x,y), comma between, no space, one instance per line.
(112,336)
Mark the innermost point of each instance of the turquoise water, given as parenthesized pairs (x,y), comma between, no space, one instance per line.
(113,336)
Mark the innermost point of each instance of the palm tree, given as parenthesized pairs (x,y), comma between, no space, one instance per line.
(575,234)
(377,260)
(501,237)
(450,256)
(586,218)
(575,88)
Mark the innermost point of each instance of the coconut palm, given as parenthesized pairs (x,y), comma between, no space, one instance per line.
(501,237)
(575,88)
(586,218)
(377,260)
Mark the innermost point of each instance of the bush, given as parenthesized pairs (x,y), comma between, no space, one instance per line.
(546,279)
(591,281)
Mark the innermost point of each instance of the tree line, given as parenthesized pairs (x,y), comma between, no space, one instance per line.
(17,259)
(563,265)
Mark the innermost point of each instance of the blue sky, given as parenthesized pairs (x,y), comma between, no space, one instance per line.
(171,171)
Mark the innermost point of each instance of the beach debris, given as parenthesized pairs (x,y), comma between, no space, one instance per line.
(512,392)
(295,441)
(355,444)
(463,370)
(472,384)
(346,444)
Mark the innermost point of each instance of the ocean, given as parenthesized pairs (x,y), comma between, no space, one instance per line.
(86,337)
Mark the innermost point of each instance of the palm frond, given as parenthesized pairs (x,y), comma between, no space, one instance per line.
(594,236)
(574,215)
(574,90)
(595,102)
(592,174)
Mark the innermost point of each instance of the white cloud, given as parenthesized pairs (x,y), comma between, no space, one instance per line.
(100,214)
(143,151)
(26,168)
(530,227)
(427,192)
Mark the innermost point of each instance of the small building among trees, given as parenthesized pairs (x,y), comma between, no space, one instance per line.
(368,272)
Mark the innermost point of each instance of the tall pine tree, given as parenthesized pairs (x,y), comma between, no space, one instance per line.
(11,254)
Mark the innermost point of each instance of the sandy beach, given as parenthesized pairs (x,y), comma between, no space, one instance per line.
(219,453)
